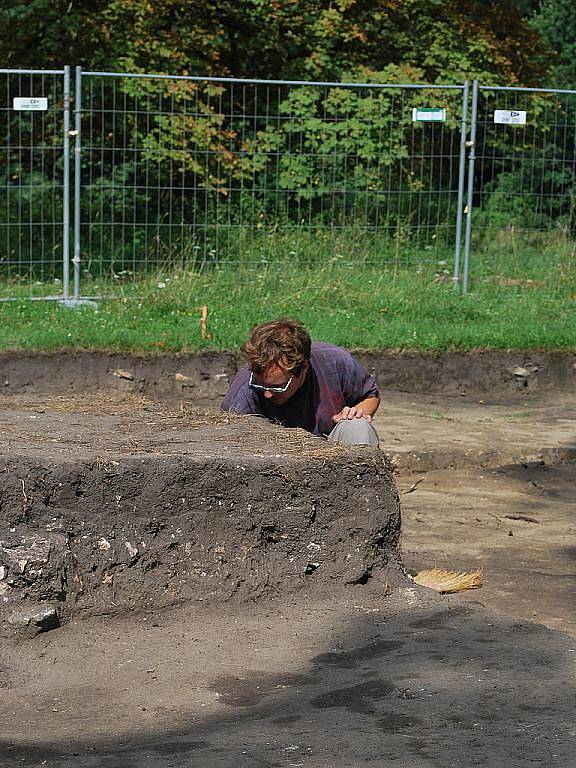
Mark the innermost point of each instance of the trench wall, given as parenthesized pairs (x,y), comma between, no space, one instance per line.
(140,532)
(204,378)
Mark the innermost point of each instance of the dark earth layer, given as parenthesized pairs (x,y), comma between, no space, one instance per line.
(204,378)
(113,512)
(294,683)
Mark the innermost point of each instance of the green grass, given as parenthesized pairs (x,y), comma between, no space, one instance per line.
(439,415)
(519,416)
(371,308)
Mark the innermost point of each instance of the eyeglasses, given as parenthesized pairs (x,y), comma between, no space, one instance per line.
(262,388)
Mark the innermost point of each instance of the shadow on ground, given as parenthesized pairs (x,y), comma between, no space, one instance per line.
(448,686)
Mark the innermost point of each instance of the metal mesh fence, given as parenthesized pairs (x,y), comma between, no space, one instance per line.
(32,182)
(192,173)
(524,176)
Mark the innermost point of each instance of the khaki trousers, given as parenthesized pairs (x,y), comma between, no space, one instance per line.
(354,432)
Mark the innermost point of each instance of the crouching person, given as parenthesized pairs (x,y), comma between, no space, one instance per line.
(298,383)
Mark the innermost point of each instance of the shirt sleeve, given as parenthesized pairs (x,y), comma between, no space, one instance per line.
(240,398)
(357,383)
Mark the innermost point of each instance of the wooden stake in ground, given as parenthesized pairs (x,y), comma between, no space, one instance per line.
(448,581)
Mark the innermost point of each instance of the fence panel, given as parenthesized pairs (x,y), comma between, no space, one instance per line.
(34,231)
(191,173)
(524,181)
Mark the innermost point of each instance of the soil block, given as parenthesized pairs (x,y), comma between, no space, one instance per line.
(110,505)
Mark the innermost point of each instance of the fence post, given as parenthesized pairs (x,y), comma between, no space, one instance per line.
(461,175)
(471,159)
(66,190)
(77,177)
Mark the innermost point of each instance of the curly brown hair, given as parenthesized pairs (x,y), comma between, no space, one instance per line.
(282,342)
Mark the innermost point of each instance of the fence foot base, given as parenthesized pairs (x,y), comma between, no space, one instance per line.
(73,303)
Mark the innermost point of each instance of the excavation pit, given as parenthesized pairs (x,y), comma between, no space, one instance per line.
(110,503)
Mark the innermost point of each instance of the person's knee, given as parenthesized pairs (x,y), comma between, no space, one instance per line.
(354,432)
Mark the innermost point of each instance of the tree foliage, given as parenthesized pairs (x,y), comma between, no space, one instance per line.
(556,22)
(445,40)
(156,149)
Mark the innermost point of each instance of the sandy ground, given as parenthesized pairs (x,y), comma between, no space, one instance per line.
(484,678)
(426,432)
(498,494)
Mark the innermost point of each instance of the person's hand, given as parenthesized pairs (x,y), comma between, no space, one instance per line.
(351,412)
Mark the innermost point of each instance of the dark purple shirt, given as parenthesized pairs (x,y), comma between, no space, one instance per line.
(334,379)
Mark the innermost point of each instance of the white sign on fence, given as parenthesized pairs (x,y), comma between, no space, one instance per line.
(428,115)
(509,117)
(30,104)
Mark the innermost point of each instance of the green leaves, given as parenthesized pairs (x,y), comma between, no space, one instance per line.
(284,39)
(555,20)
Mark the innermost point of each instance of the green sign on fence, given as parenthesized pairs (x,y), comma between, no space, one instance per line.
(428,115)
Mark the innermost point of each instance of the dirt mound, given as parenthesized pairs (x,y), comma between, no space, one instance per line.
(107,512)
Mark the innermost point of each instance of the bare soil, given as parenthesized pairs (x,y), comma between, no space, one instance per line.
(373,674)
(134,506)
(204,378)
